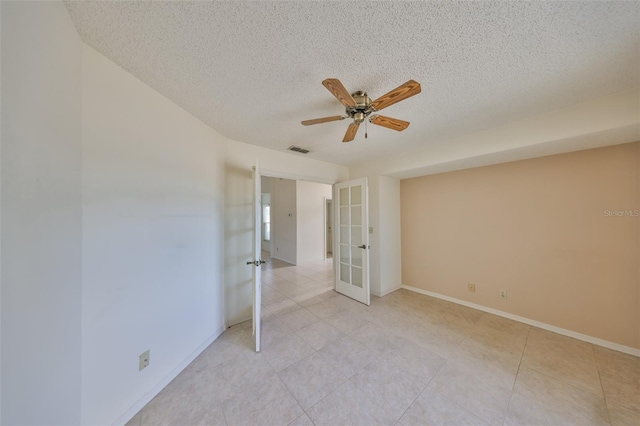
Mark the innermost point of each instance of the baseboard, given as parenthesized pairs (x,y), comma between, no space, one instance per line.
(284,260)
(128,415)
(590,339)
(384,293)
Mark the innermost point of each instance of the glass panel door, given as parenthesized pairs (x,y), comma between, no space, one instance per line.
(352,265)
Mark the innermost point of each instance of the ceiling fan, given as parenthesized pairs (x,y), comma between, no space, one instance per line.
(359,106)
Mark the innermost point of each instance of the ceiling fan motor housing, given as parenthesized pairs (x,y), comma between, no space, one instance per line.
(362,109)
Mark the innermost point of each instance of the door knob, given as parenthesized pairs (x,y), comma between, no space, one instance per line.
(362,246)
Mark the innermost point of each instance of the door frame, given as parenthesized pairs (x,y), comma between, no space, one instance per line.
(328,214)
(293,176)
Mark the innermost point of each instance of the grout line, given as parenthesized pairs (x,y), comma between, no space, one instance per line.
(513,387)
(604,395)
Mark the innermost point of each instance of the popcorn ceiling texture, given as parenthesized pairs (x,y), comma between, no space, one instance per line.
(253,70)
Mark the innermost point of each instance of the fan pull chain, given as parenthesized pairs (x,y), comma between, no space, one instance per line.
(365,129)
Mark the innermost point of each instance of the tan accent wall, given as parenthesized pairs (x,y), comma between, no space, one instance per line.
(560,234)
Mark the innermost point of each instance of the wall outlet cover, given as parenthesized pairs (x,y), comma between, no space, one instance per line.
(144,360)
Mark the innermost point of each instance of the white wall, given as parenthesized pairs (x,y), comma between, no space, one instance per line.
(152,238)
(238,203)
(0,217)
(390,241)
(266,199)
(285,218)
(155,183)
(311,208)
(41,215)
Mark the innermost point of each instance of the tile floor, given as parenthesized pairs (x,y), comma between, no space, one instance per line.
(407,359)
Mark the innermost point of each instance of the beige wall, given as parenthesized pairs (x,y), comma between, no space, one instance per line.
(540,230)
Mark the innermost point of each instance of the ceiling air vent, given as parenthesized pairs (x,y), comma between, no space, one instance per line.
(298,149)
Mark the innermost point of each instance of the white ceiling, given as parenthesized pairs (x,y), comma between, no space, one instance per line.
(253,70)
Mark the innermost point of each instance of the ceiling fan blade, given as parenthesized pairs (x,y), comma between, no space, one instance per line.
(322,120)
(389,123)
(351,132)
(338,90)
(398,94)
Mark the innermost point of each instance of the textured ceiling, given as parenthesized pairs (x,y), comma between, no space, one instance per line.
(253,70)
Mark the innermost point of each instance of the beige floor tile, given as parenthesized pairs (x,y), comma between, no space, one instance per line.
(272,330)
(237,375)
(414,360)
(525,412)
(284,286)
(268,403)
(377,338)
(462,317)
(620,376)
(504,325)
(299,319)
(310,298)
(345,302)
(311,379)
(319,334)
(540,340)
(431,408)
(347,321)
(441,339)
(503,341)
(475,389)
(621,415)
(325,309)
(285,351)
(231,344)
(368,364)
(579,371)
(271,296)
(348,355)
(557,399)
(377,395)
(502,333)
(503,364)
(302,420)
(184,408)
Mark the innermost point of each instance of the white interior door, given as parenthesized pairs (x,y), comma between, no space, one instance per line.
(351,236)
(256,262)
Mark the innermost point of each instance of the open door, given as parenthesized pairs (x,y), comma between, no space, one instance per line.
(351,236)
(257,250)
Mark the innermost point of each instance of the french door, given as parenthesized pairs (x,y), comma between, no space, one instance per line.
(351,233)
(257,250)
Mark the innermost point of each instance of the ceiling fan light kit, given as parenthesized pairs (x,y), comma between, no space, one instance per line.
(359,107)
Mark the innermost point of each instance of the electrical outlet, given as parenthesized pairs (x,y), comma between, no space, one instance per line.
(503,294)
(471,287)
(144,360)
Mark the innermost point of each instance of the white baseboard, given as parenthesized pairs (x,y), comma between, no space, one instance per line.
(384,293)
(128,415)
(284,260)
(553,328)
